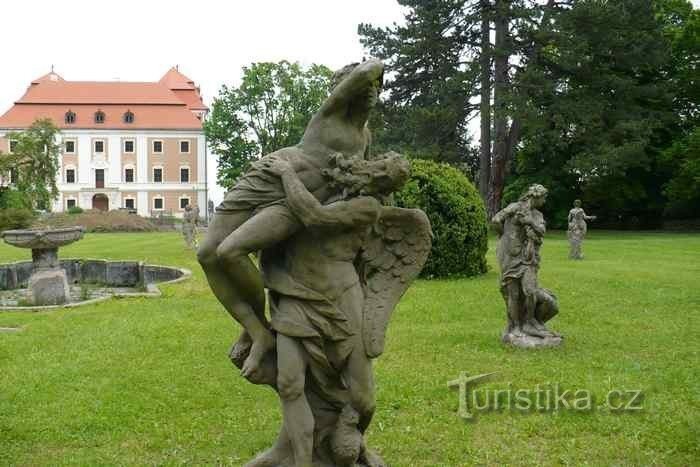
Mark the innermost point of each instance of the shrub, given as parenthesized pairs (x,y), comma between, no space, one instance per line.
(75,210)
(457,216)
(99,221)
(12,218)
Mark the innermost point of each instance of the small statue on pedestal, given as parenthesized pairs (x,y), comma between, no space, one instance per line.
(520,227)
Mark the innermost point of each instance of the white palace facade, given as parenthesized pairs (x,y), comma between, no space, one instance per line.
(129,145)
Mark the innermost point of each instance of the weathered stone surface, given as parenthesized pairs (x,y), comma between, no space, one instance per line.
(49,287)
(328,330)
(520,228)
(95,271)
(154,274)
(122,273)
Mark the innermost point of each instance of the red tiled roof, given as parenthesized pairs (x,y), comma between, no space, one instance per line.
(167,104)
(173,79)
(145,116)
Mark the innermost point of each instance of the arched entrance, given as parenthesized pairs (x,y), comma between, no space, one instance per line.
(101,202)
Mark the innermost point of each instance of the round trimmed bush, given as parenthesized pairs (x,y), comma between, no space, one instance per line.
(457,216)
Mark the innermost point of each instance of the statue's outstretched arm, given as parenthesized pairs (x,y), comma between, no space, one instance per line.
(357,82)
(358,211)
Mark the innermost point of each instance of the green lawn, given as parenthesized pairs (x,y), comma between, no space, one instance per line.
(147,381)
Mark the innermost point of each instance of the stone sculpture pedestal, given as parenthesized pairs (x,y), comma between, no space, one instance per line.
(48,284)
(531,342)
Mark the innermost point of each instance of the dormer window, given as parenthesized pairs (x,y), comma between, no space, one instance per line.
(99,117)
(128,117)
(70,117)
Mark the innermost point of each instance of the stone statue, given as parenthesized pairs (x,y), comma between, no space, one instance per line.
(335,261)
(255,216)
(210,209)
(332,288)
(189,226)
(577,230)
(520,228)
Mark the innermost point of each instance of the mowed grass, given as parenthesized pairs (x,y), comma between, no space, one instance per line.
(148,382)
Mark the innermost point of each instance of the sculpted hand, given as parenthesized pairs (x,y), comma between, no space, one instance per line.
(276,166)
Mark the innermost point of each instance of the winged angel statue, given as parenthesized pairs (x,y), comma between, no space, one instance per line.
(332,288)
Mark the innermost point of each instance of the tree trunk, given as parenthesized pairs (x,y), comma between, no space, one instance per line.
(500,79)
(485,107)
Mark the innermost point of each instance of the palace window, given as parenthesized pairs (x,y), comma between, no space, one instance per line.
(70,175)
(70,117)
(157,147)
(184,174)
(129,203)
(99,146)
(157,174)
(184,147)
(69,147)
(158,203)
(129,175)
(129,146)
(128,117)
(13,146)
(70,203)
(184,202)
(99,117)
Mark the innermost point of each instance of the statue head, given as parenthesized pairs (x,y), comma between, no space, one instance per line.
(577,203)
(372,92)
(188,208)
(376,177)
(536,194)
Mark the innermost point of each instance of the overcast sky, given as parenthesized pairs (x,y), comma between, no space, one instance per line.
(210,40)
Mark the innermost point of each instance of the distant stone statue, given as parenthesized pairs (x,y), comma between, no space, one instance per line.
(332,288)
(520,228)
(189,226)
(577,230)
(210,209)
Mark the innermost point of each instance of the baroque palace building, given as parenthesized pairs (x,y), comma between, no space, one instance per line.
(129,145)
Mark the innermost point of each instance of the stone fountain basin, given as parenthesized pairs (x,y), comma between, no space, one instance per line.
(43,239)
(108,278)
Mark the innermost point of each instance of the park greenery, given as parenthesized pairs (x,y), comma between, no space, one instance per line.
(269,110)
(596,100)
(142,381)
(33,164)
(457,218)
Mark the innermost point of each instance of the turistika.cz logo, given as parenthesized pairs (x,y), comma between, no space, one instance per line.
(548,397)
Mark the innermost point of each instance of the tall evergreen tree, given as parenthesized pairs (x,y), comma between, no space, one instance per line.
(433,76)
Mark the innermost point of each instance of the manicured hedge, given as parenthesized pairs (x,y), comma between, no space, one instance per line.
(457,216)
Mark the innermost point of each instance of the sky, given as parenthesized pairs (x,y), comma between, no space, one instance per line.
(210,40)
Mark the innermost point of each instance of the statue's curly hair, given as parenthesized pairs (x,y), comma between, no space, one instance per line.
(380,176)
(534,191)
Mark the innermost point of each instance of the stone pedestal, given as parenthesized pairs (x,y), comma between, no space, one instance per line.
(49,287)
(530,342)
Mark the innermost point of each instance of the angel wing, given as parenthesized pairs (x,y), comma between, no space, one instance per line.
(391,259)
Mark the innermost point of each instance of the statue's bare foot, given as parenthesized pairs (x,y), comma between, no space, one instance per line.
(541,326)
(531,329)
(260,347)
